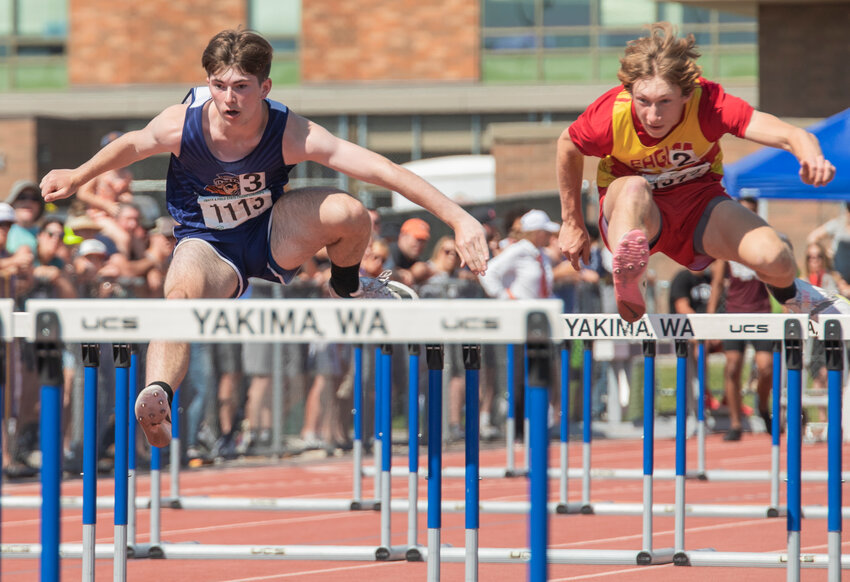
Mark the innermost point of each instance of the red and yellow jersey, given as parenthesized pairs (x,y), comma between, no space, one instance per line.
(609,129)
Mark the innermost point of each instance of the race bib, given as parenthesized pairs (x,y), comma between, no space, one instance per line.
(223,212)
(676,177)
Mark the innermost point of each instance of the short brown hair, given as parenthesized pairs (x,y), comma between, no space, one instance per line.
(242,49)
(663,54)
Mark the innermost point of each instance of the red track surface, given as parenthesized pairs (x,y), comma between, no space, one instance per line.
(332,478)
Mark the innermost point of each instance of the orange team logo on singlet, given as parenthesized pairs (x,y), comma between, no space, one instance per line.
(685,154)
(224,185)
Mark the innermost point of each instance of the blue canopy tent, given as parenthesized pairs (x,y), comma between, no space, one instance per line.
(772,173)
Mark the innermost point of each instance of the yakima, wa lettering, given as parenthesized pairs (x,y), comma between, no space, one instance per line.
(296,323)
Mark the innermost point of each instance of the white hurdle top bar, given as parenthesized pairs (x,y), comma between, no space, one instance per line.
(473,321)
(686,327)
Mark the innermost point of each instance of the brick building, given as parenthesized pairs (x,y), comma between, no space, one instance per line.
(418,79)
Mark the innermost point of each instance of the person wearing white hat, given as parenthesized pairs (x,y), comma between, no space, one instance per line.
(523,270)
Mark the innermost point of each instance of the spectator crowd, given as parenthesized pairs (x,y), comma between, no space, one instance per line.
(111,243)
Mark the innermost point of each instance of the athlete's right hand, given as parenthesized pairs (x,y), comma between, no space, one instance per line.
(58,184)
(574,242)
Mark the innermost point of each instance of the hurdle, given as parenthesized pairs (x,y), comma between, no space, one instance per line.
(793,330)
(214,320)
(59,320)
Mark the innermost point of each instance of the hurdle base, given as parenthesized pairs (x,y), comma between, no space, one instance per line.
(569,508)
(391,554)
(777,511)
(516,473)
(654,557)
(414,554)
(586,509)
(155,552)
(683,558)
(138,551)
(363,505)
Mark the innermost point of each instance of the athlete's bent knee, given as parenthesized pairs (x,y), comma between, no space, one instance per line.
(350,212)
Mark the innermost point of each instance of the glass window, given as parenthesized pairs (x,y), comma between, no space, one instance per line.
(510,68)
(739,38)
(507,13)
(5,17)
(696,15)
(619,39)
(627,12)
(670,12)
(43,18)
(275,17)
(566,41)
(566,13)
(735,17)
(510,42)
(568,67)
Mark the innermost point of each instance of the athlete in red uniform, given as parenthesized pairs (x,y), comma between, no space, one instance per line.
(659,175)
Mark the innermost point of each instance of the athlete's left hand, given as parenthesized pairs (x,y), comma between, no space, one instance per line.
(817,171)
(471,243)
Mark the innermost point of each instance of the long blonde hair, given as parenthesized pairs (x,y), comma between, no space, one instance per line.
(663,54)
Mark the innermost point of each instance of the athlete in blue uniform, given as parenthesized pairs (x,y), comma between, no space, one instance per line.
(231,152)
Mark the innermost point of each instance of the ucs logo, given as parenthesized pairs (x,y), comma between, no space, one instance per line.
(749,328)
(470,323)
(111,323)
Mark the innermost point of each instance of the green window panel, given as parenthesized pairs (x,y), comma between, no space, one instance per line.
(509,68)
(566,68)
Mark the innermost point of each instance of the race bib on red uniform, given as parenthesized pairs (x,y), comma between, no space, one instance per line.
(676,177)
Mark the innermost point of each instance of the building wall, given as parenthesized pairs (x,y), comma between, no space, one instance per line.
(157,41)
(803,56)
(17,152)
(390,40)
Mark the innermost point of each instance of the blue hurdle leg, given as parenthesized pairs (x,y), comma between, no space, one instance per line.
(510,419)
(50,428)
(649,351)
(703,390)
(472,363)
(681,423)
(357,413)
(174,450)
(835,371)
(539,378)
(412,450)
(434,358)
(526,412)
(794,364)
(121,353)
(49,358)
(376,441)
(91,361)
(156,497)
(131,447)
(776,404)
(386,443)
(587,388)
(565,426)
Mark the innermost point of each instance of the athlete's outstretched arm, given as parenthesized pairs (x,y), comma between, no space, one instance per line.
(769,130)
(574,240)
(305,140)
(162,134)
